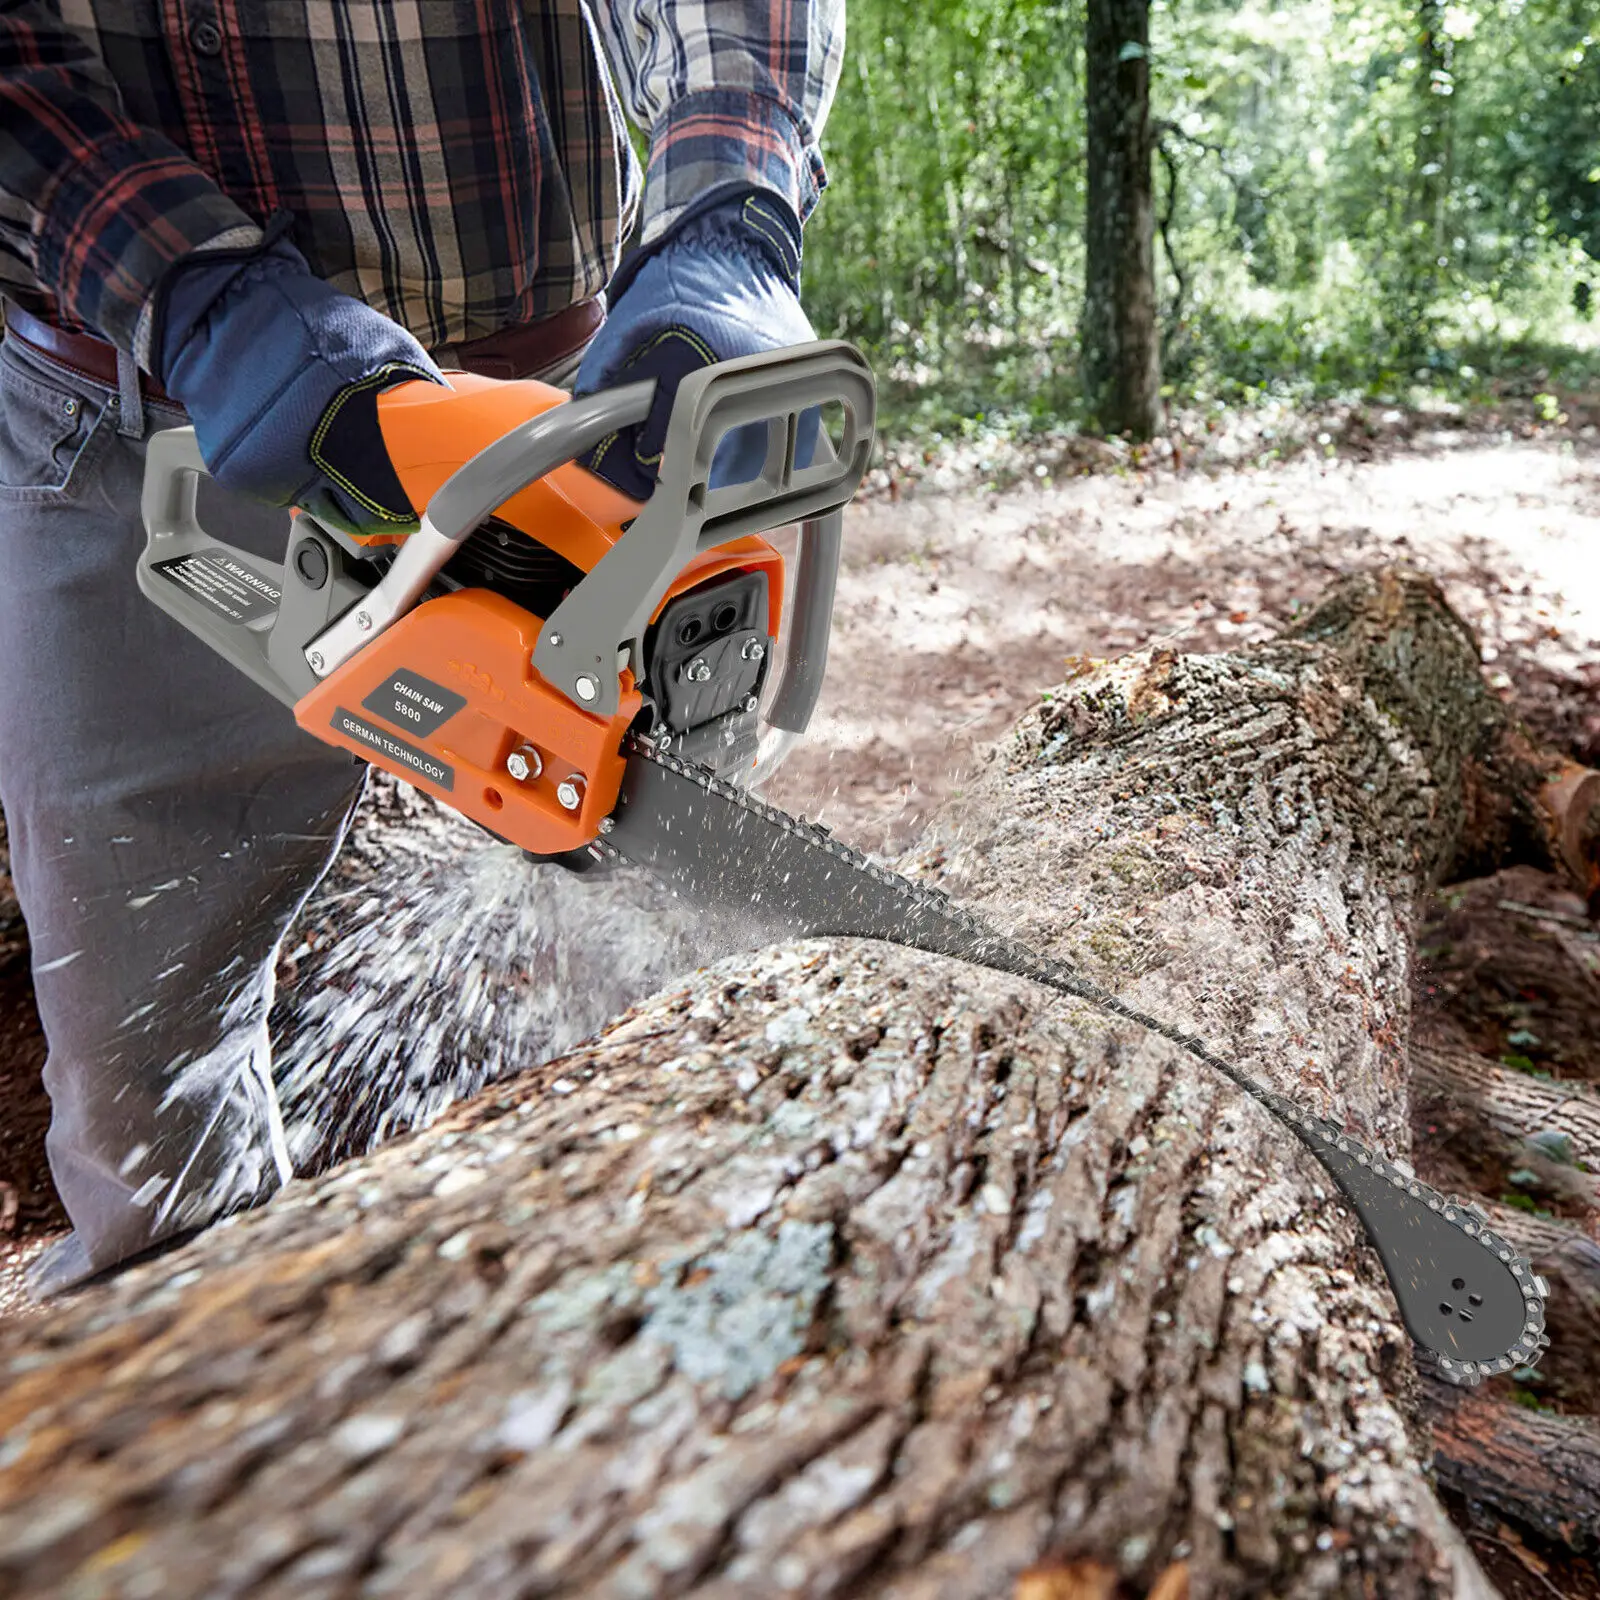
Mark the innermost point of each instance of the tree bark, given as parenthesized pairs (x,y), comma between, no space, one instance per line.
(837,1269)
(1121,345)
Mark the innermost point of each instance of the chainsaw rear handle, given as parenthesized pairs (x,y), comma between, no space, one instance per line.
(233,601)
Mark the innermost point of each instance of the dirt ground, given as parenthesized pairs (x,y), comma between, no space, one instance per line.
(956,607)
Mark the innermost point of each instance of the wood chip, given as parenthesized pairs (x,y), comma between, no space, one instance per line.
(1173,1584)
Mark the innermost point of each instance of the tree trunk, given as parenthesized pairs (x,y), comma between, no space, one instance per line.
(1434,105)
(838,1269)
(1121,349)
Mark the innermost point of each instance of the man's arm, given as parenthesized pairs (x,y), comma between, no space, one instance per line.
(732,95)
(93,208)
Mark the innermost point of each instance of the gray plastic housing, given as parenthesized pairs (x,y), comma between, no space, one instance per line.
(265,643)
(608,611)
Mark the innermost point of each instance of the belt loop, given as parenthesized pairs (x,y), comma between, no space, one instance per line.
(130,401)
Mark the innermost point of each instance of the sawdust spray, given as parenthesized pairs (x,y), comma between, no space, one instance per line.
(437,959)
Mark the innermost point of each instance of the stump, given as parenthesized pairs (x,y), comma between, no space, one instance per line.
(838,1269)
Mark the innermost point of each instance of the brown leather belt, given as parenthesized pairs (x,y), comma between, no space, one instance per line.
(521,351)
(82,353)
(526,349)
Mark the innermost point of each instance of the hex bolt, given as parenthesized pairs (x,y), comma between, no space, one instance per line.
(570,791)
(753,650)
(314,660)
(524,763)
(750,702)
(587,687)
(698,670)
(363,621)
(607,824)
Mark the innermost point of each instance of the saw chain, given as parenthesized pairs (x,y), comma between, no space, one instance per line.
(1471,1302)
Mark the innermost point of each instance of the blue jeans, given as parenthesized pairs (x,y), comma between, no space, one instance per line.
(167,820)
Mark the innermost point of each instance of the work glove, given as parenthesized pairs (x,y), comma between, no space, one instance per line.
(725,283)
(280,374)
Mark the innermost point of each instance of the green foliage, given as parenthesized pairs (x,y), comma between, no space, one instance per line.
(1366,196)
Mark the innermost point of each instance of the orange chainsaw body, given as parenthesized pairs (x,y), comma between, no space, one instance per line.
(477,645)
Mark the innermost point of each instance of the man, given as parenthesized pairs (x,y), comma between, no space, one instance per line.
(261,216)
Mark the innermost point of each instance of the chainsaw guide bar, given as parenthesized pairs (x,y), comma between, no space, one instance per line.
(1471,1301)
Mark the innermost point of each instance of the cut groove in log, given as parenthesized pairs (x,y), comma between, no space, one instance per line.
(835,1269)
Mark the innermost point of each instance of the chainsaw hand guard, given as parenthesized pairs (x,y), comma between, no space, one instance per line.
(608,611)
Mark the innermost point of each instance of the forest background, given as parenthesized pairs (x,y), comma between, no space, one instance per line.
(1396,202)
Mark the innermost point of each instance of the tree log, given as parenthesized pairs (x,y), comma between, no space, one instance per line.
(1512,1103)
(838,1269)
(1541,1468)
(1561,1252)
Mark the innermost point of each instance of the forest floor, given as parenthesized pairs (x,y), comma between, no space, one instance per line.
(959,602)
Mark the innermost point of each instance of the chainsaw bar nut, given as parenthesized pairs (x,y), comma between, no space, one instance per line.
(524,763)
(570,791)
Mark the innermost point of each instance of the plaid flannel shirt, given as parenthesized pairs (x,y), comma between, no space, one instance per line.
(461,165)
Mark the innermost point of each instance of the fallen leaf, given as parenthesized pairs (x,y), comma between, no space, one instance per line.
(1075,1580)
(1173,1584)
(1510,1540)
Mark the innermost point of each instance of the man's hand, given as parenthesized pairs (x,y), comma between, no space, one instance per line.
(280,374)
(723,284)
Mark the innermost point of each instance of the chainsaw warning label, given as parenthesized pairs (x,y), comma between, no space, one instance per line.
(385,744)
(216,576)
(409,700)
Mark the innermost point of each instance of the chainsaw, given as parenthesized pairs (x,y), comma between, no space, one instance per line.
(597,680)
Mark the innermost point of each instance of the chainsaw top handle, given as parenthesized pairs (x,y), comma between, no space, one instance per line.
(609,609)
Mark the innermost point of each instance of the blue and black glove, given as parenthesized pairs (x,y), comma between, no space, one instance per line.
(280,374)
(724,283)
